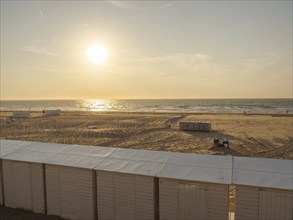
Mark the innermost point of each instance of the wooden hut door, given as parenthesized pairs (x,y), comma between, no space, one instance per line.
(192,201)
(23,186)
(275,205)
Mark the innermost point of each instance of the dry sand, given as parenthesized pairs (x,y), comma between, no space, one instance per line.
(269,136)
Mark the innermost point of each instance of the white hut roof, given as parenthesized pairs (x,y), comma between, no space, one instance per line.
(8,146)
(46,147)
(142,155)
(88,150)
(196,167)
(70,160)
(58,154)
(132,161)
(130,167)
(262,172)
(78,161)
(29,156)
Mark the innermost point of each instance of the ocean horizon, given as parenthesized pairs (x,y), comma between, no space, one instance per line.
(257,106)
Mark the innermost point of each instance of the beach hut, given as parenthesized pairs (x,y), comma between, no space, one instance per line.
(6,147)
(52,112)
(181,125)
(207,126)
(71,181)
(193,186)
(23,180)
(195,126)
(126,184)
(184,125)
(23,173)
(56,179)
(263,188)
(21,115)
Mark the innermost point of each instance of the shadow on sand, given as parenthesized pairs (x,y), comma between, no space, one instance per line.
(210,134)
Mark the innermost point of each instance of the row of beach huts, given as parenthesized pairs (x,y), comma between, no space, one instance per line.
(90,182)
(195,125)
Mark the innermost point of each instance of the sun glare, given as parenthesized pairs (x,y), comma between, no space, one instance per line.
(97,53)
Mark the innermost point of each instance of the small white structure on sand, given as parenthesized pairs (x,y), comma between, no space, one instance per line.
(195,126)
(52,112)
(195,186)
(21,115)
(263,188)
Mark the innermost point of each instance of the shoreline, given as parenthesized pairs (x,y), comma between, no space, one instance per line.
(153,112)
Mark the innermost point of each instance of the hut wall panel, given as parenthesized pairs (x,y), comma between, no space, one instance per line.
(275,205)
(9,184)
(246,203)
(196,126)
(201,126)
(76,193)
(38,188)
(23,184)
(168,199)
(1,185)
(192,201)
(86,196)
(105,196)
(53,190)
(185,125)
(217,201)
(144,197)
(69,192)
(18,185)
(124,196)
(190,126)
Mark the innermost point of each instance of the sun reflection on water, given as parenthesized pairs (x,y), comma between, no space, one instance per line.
(97,105)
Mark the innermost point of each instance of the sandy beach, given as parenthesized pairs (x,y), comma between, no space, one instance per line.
(269,136)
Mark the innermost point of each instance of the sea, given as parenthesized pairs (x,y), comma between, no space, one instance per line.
(251,106)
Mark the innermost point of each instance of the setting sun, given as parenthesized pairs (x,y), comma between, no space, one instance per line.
(97,53)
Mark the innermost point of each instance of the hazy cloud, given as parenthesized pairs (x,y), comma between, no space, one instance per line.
(138,55)
(41,12)
(120,4)
(38,50)
(138,4)
(167,5)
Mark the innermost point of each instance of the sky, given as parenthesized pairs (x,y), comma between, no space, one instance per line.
(156,49)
